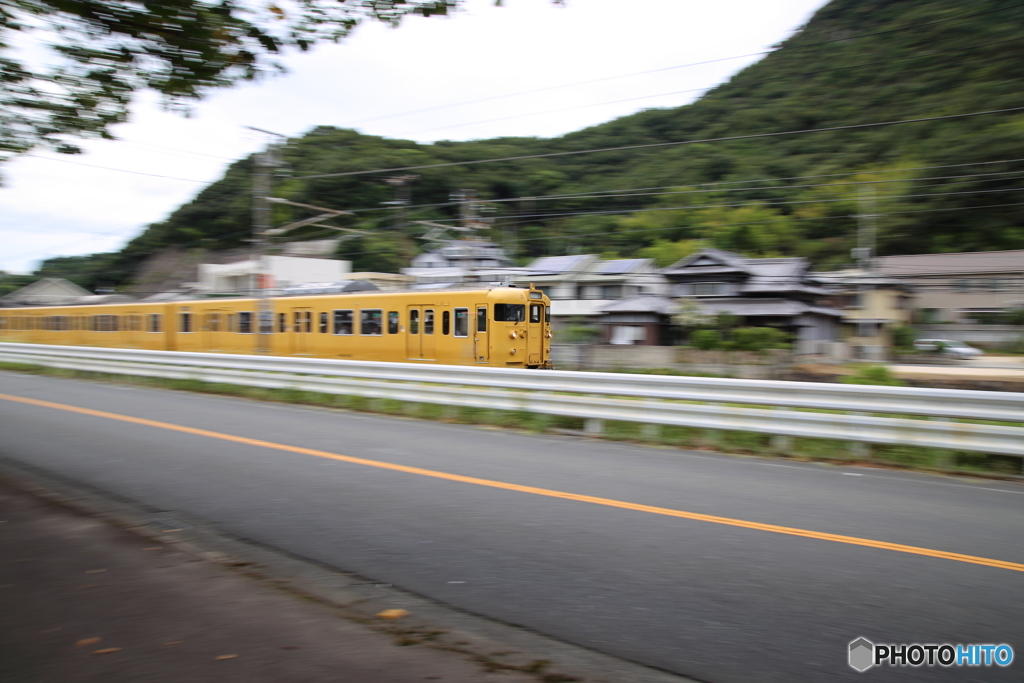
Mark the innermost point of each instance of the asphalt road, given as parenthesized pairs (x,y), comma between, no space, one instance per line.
(707,599)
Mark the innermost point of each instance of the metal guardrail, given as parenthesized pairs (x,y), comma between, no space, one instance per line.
(766,406)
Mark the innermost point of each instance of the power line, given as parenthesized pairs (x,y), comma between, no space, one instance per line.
(671,68)
(661,144)
(710,87)
(120,170)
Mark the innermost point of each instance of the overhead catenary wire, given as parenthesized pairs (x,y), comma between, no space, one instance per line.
(653,145)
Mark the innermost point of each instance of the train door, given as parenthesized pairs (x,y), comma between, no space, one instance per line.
(481,343)
(427,338)
(214,328)
(302,328)
(535,334)
(413,336)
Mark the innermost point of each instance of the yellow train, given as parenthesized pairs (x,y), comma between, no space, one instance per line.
(499,327)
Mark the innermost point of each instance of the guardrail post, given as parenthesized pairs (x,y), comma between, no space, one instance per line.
(651,432)
(859,449)
(780,443)
(942,457)
(593,426)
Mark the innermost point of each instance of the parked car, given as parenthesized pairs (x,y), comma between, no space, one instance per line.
(948,347)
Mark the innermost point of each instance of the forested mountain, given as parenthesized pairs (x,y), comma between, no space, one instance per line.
(934,185)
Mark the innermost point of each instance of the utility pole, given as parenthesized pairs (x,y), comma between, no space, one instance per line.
(403,195)
(865,251)
(265,163)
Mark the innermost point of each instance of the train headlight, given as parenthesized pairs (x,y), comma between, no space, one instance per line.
(513,334)
(512,351)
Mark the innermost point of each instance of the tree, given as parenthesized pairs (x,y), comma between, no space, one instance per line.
(108,50)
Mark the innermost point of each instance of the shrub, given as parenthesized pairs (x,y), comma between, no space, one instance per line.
(759,338)
(706,339)
(872,374)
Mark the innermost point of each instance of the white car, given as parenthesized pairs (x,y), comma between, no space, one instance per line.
(948,347)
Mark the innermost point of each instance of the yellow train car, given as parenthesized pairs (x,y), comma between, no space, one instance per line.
(499,327)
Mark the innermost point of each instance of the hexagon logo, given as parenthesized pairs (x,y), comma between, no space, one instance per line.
(862,654)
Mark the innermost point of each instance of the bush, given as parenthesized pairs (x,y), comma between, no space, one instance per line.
(903,337)
(706,339)
(872,374)
(759,338)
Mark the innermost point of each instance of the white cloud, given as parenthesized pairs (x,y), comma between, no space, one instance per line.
(54,207)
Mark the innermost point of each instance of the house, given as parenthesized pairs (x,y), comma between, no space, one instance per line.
(873,306)
(964,287)
(242,277)
(49,291)
(763,292)
(459,262)
(580,285)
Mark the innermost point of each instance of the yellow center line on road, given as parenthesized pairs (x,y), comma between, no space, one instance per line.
(550,493)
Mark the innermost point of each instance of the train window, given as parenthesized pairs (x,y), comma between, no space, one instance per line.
(266,322)
(298,321)
(213,322)
(511,313)
(392,322)
(481,319)
(446,322)
(547,314)
(323,322)
(186,322)
(370,321)
(461,322)
(343,322)
(154,322)
(282,322)
(428,321)
(414,321)
(3,323)
(245,322)
(535,313)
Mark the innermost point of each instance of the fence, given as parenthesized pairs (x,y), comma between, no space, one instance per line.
(860,414)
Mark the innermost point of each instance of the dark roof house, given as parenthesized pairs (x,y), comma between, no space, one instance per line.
(776,292)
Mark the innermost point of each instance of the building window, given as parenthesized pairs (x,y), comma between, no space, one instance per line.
(708,288)
(963,285)
(866,329)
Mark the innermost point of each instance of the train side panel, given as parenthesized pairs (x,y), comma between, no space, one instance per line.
(502,327)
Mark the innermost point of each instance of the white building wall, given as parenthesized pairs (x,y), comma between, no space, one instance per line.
(284,271)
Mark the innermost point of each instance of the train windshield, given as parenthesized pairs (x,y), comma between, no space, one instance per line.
(509,313)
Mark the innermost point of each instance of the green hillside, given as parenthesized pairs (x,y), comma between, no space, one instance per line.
(855,62)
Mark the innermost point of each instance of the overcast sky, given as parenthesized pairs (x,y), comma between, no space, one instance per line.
(377,82)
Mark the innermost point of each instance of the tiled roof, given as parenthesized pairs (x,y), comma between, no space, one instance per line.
(553,265)
(952,264)
(619,266)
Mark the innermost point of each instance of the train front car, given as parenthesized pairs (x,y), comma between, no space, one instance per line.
(520,328)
